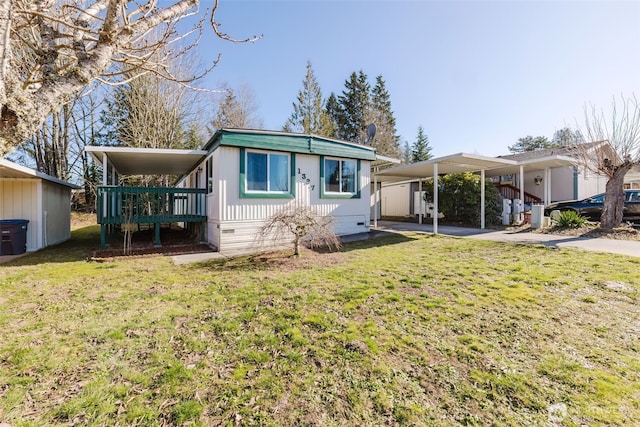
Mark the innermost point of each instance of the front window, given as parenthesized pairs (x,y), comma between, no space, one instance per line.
(266,174)
(340,177)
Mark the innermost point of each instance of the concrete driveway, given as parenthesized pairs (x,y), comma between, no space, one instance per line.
(622,247)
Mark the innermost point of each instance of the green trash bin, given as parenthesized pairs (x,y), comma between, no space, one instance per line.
(13,233)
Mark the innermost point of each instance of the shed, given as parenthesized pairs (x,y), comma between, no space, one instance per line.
(40,198)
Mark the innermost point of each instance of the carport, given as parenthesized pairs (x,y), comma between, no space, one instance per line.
(464,162)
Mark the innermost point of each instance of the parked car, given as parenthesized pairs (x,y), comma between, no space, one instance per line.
(592,207)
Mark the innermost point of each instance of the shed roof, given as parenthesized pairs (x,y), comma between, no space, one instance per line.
(11,170)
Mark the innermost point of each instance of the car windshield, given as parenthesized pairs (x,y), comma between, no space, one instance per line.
(633,196)
(597,199)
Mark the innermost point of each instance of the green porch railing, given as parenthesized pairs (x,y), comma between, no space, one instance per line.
(149,205)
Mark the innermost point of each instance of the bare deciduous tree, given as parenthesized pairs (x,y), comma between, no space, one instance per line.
(618,153)
(51,50)
(303,225)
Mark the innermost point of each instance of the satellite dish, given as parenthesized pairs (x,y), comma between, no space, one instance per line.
(371,132)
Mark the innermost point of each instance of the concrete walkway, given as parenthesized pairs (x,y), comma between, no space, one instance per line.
(601,244)
(622,247)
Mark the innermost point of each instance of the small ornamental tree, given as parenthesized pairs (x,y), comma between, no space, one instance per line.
(304,225)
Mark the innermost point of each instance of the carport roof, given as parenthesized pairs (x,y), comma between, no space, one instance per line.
(148,161)
(464,162)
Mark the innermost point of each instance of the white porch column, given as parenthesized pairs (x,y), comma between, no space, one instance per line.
(482,199)
(547,179)
(547,187)
(375,201)
(522,184)
(435,198)
(420,213)
(105,166)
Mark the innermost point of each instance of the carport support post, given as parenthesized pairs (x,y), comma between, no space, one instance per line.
(420,204)
(522,184)
(375,201)
(435,198)
(482,199)
(547,186)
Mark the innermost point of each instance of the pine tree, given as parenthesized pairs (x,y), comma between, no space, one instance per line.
(386,141)
(406,153)
(309,115)
(421,149)
(354,104)
(229,113)
(332,108)
(529,143)
(237,109)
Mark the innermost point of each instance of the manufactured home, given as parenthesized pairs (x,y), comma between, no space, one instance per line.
(240,178)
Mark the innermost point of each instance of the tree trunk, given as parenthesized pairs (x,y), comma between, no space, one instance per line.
(613,206)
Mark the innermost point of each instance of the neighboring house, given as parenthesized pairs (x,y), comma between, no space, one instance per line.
(632,179)
(569,182)
(42,199)
(240,178)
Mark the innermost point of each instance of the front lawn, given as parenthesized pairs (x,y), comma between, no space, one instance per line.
(403,330)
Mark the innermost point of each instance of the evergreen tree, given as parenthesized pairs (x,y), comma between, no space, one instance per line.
(354,104)
(236,109)
(386,141)
(309,115)
(529,143)
(229,113)
(421,149)
(332,108)
(406,153)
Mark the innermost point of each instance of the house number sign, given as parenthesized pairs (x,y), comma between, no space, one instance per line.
(306,180)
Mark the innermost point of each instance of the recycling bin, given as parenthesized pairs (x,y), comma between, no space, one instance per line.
(13,233)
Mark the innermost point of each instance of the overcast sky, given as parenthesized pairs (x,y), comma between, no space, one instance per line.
(476,75)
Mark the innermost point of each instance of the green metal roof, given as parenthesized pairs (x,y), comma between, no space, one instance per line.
(289,142)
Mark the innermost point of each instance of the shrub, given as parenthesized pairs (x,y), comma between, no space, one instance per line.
(459,198)
(570,219)
(304,225)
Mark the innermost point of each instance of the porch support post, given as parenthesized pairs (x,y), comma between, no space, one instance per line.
(103,236)
(522,184)
(375,201)
(547,186)
(156,242)
(482,214)
(105,165)
(435,198)
(420,204)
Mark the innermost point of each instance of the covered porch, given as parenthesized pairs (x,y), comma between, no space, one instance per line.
(464,162)
(133,208)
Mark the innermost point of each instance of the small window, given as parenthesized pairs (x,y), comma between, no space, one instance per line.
(340,177)
(209,175)
(266,174)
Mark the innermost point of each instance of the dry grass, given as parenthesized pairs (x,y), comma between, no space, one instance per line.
(416,330)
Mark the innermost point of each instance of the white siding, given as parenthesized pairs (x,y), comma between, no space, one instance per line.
(234,222)
(395,200)
(19,200)
(56,213)
(590,184)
